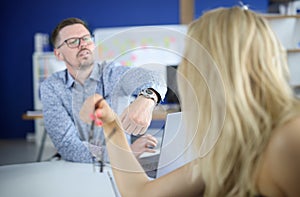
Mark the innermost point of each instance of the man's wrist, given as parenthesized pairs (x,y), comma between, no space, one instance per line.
(158,97)
(149,93)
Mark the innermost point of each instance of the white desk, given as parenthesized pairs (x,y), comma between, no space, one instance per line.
(55,179)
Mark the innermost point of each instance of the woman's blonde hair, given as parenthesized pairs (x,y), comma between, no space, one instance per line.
(233,83)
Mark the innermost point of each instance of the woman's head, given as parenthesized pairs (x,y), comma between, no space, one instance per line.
(239,50)
(245,50)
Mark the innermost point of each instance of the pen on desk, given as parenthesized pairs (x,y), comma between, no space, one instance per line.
(102,144)
(112,183)
(101,166)
(91,136)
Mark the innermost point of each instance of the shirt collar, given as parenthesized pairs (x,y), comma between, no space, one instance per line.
(69,80)
(97,72)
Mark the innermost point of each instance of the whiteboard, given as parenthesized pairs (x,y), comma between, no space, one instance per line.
(141,45)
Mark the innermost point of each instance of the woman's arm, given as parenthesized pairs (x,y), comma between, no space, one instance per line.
(130,176)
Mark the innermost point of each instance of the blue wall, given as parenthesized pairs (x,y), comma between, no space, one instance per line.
(256,5)
(22,19)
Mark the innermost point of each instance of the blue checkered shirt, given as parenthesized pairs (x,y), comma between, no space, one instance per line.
(62,98)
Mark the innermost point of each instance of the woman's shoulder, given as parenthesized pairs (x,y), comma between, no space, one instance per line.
(281,163)
(287,136)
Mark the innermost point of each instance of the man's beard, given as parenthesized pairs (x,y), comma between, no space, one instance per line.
(82,71)
(84,68)
(86,64)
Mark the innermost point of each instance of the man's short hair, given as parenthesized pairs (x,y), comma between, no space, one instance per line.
(64,23)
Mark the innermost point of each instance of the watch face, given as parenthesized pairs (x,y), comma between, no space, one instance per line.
(148,91)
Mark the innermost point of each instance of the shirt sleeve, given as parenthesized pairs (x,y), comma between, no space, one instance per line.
(131,80)
(60,126)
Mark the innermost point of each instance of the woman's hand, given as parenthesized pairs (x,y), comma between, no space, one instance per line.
(95,108)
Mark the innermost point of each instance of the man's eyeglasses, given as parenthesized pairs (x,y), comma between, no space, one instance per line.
(75,42)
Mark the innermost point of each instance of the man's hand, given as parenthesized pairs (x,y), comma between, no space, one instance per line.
(145,143)
(137,116)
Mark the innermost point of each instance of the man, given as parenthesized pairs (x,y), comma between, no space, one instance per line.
(64,92)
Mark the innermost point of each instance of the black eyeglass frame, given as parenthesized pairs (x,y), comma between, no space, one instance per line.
(79,41)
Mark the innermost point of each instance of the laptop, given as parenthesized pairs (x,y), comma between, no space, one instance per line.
(174,152)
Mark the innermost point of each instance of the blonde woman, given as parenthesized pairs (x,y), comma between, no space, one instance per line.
(236,99)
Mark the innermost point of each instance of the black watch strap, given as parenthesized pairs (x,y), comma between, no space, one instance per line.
(150,94)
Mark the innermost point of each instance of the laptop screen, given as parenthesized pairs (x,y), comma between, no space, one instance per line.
(174,150)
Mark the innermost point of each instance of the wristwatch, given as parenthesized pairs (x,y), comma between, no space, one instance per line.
(149,94)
